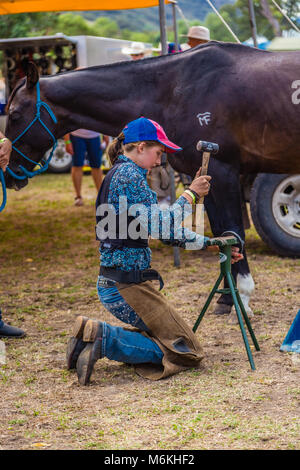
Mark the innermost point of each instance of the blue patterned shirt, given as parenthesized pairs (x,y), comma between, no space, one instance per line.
(130,181)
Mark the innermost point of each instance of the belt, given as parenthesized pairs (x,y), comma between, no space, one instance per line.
(136,277)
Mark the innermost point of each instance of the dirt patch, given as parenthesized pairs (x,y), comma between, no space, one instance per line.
(49,266)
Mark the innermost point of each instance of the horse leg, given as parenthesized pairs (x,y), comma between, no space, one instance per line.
(223,206)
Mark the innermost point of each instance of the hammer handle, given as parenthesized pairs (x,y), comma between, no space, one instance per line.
(204,169)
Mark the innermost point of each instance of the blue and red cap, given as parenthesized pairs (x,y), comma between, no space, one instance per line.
(144,129)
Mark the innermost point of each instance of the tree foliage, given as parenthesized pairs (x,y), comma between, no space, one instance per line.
(89,23)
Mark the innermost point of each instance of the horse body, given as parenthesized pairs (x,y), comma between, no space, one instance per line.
(238,97)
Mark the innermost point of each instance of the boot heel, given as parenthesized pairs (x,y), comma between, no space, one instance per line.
(90,331)
(78,327)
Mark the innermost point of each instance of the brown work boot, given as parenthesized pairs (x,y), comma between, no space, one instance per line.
(92,335)
(76,344)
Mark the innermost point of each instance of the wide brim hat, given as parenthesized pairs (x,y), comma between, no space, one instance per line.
(135,48)
(198,32)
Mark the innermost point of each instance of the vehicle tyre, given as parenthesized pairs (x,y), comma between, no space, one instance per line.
(61,161)
(275,211)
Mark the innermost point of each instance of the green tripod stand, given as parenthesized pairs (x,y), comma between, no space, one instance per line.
(225,244)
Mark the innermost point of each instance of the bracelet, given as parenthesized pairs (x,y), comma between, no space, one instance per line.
(195,194)
(189,192)
(4,139)
(67,142)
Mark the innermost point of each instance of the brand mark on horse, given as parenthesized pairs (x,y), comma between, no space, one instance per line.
(204,118)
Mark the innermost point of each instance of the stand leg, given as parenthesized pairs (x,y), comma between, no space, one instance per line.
(206,305)
(237,308)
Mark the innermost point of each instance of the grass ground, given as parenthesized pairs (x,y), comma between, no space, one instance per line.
(49,266)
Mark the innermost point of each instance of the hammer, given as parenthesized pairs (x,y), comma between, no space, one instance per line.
(207,148)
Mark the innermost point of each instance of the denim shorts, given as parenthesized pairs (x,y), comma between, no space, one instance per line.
(90,148)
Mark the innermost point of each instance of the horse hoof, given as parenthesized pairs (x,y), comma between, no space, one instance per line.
(222,309)
(233,319)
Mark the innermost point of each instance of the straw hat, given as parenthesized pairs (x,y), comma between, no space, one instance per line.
(198,32)
(135,48)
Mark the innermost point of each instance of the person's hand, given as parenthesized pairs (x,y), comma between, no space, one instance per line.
(69,148)
(5,151)
(236,255)
(201,184)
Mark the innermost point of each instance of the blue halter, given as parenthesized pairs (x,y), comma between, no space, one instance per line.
(42,168)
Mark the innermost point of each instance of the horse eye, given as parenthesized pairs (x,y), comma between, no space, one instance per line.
(15,115)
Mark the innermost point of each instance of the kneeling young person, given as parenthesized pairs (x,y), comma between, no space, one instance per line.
(157,341)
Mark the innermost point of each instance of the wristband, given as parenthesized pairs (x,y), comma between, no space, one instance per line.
(67,142)
(4,139)
(195,194)
(189,192)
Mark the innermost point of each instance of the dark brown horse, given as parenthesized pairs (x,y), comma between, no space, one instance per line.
(239,97)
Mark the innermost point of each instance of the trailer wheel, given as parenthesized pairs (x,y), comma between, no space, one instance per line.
(61,161)
(275,211)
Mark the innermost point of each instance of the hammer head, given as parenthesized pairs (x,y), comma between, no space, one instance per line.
(207,147)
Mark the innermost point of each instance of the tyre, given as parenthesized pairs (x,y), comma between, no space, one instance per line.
(61,161)
(275,211)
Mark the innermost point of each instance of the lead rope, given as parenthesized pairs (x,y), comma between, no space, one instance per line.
(3,190)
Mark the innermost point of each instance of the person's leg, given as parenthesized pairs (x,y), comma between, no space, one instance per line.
(97,175)
(79,148)
(128,346)
(113,301)
(94,152)
(77,180)
(115,343)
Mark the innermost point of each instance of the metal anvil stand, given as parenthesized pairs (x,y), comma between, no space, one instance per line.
(224,244)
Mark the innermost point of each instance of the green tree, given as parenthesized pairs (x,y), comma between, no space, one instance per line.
(72,25)
(237,17)
(27,24)
(107,28)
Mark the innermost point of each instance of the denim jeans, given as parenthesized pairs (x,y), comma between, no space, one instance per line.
(119,344)
(128,346)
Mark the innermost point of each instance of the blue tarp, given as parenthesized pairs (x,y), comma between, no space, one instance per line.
(292,339)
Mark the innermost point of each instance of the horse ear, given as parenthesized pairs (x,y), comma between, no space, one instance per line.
(32,75)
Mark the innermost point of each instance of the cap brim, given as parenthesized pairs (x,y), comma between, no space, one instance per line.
(171,148)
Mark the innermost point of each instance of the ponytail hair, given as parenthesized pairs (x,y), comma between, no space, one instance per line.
(115,148)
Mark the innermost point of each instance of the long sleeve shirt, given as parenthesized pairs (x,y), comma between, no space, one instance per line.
(129,183)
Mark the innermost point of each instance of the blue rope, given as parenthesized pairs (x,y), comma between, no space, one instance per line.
(42,168)
(3,190)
